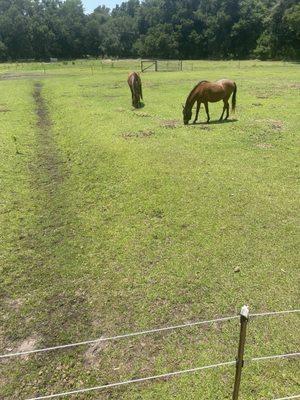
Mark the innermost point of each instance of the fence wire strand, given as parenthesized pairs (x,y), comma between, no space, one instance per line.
(129,335)
(270,313)
(167,375)
(112,385)
(276,356)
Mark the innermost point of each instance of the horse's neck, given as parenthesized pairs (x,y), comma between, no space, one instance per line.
(191,100)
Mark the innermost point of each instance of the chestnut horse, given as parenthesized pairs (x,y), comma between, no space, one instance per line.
(135,84)
(212,92)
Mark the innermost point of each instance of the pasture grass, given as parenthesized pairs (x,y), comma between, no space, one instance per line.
(115,220)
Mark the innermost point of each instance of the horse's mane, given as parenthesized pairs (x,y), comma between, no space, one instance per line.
(192,91)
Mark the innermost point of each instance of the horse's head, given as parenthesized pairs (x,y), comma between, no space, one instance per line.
(187,115)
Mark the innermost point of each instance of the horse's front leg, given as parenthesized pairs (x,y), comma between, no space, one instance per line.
(207,112)
(132,96)
(197,111)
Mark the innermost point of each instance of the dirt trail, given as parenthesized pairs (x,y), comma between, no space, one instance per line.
(65,304)
(43,306)
(48,155)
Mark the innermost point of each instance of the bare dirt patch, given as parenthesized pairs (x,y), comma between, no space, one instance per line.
(14,304)
(9,76)
(263,96)
(140,134)
(264,145)
(142,114)
(171,123)
(257,104)
(120,109)
(277,125)
(295,86)
(28,344)
(274,124)
(4,109)
(93,353)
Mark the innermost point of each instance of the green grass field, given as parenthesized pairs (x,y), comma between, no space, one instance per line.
(114,220)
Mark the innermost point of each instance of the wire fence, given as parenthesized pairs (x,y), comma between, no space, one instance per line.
(145,332)
(162,376)
(239,362)
(139,380)
(126,335)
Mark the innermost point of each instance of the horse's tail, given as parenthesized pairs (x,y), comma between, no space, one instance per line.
(233,104)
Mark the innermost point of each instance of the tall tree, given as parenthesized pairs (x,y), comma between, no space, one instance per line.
(281,37)
(151,28)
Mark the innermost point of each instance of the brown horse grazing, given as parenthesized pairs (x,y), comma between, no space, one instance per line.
(135,84)
(212,92)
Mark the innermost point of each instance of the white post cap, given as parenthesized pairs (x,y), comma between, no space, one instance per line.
(245,312)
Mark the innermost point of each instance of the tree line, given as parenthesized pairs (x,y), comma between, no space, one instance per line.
(168,29)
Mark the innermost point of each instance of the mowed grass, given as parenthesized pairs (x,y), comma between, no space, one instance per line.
(115,220)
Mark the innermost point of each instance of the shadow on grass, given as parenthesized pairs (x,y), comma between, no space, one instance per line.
(142,105)
(217,122)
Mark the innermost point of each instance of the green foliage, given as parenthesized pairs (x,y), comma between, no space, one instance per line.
(187,29)
(160,42)
(281,39)
(3,51)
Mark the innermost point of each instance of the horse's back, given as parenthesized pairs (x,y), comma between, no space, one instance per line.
(212,91)
(133,75)
(227,84)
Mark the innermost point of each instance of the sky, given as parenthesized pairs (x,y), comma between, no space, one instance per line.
(90,5)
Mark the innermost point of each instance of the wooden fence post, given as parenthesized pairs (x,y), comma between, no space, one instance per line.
(240,358)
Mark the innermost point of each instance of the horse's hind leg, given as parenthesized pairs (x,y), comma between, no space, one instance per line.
(224,108)
(227,110)
(207,112)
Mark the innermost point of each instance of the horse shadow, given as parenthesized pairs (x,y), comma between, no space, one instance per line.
(217,122)
(141,105)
